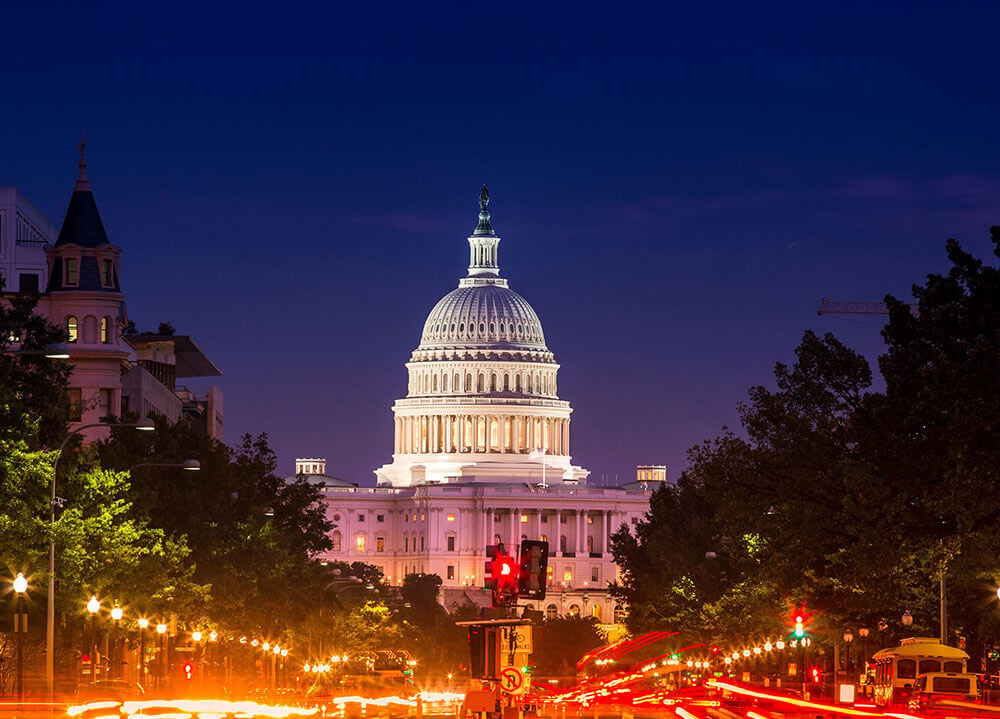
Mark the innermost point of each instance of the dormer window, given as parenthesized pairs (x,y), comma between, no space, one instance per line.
(107,273)
(72,271)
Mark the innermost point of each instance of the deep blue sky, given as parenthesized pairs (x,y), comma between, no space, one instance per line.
(676,188)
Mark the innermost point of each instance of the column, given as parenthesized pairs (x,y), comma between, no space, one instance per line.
(515,528)
(581,522)
(604,532)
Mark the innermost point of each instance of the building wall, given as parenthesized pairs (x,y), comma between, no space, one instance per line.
(24,234)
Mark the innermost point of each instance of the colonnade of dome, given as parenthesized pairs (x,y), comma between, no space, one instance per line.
(481,434)
(463,379)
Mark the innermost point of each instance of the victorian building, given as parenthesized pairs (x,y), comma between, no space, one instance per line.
(76,273)
(482,456)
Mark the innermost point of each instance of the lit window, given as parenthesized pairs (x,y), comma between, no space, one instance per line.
(451,571)
(524,519)
(359,542)
(105,324)
(590,520)
(421,517)
(551,611)
(567,575)
(379,544)
(72,271)
(450,518)
(545,538)
(72,329)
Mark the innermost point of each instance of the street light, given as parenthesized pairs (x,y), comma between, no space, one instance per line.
(116,614)
(143,625)
(848,638)
(51,351)
(190,465)
(93,607)
(144,424)
(863,633)
(907,619)
(20,626)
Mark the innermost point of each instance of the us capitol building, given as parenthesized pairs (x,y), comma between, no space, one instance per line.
(482,455)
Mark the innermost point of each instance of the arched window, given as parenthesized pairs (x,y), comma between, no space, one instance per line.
(335,541)
(551,611)
(517,383)
(545,537)
(493,383)
(435,388)
(481,384)
(105,330)
(506,382)
(72,329)
(595,612)
(444,383)
(574,610)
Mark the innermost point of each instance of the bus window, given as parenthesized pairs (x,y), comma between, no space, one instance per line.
(929,665)
(906,669)
(955,667)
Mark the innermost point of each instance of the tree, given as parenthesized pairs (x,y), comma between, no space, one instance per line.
(252,535)
(562,642)
(32,387)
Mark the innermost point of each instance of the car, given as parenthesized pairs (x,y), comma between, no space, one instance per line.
(118,690)
(937,687)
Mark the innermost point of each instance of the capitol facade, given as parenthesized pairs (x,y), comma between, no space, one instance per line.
(481,456)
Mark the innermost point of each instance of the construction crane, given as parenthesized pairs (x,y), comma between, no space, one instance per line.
(830,306)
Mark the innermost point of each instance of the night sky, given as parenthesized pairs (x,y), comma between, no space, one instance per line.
(676,188)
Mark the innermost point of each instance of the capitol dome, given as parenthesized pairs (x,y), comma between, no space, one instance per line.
(482,401)
(487,315)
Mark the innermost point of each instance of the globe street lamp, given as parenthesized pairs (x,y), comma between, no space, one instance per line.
(907,619)
(20,627)
(161,630)
(143,423)
(93,607)
(116,614)
(143,625)
(848,638)
(863,633)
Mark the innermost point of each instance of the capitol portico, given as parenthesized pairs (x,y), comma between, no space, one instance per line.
(481,455)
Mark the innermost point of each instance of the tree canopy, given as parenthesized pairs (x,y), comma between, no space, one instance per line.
(839,497)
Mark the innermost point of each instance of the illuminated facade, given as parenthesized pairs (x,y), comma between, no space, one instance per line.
(75,272)
(482,455)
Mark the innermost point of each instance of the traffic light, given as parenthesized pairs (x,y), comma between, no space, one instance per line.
(188,669)
(533,569)
(504,570)
(799,630)
(816,675)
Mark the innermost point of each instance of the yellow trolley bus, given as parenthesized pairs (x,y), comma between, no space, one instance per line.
(897,668)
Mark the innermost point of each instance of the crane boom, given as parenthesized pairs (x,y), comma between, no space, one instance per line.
(830,306)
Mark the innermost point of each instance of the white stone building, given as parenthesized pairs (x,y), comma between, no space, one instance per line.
(482,455)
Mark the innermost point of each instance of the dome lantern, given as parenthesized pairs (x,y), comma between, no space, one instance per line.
(483,242)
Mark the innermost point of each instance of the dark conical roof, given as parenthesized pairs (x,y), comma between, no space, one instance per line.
(82,225)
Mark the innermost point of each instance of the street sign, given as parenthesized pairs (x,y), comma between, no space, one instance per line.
(512,681)
(516,638)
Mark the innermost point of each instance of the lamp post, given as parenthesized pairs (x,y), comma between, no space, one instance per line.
(52,351)
(863,633)
(191,465)
(93,607)
(848,638)
(20,627)
(116,614)
(907,619)
(144,424)
(161,631)
(143,625)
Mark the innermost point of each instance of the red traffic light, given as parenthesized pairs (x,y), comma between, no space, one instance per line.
(816,676)
(504,571)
